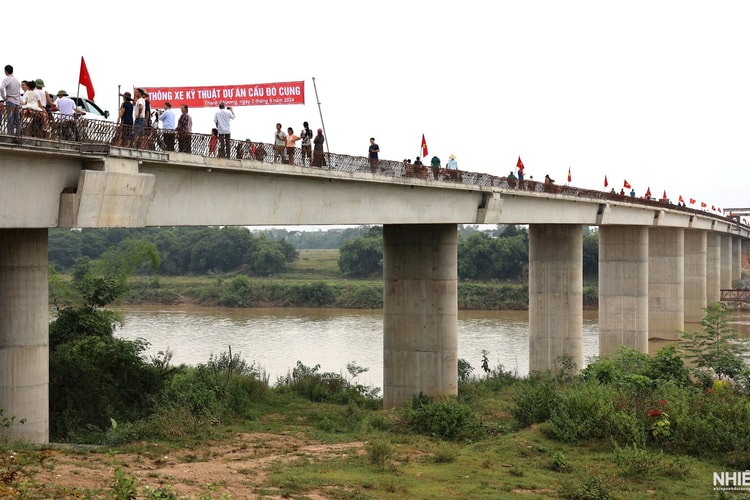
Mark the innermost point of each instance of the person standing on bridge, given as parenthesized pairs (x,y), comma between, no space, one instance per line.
(10,93)
(166,117)
(125,121)
(139,119)
(306,135)
(318,149)
(291,143)
(279,142)
(185,130)
(222,120)
(372,154)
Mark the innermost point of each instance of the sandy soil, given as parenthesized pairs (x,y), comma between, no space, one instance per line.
(234,469)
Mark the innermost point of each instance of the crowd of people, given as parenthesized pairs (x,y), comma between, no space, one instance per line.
(135,118)
(29,97)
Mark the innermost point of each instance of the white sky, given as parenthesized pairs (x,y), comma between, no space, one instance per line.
(655,92)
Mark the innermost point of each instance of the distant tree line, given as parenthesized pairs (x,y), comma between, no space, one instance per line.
(500,253)
(183,250)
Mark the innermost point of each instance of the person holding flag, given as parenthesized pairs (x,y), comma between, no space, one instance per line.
(519,166)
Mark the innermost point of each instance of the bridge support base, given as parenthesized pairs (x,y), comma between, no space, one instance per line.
(24,335)
(666,283)
(555,295)
(420,311)
(623,288)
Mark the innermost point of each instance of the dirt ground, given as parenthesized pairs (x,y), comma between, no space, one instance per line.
(228,470)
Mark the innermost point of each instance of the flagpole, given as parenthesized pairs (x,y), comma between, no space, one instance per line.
(322,125)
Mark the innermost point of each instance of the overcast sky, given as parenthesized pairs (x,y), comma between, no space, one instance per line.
(652,92)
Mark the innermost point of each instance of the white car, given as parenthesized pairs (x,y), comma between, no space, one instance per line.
(91,110)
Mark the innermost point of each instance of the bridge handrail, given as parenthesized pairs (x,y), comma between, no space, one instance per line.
(54,127)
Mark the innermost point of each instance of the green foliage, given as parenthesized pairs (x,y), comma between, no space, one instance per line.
(482,257)
(380,453)
(317,386)
(445,419)
(716,348)
(464,370)
(362,257)
(123,486)
(534,400)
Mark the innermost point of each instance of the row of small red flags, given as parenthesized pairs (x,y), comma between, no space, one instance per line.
(626,185)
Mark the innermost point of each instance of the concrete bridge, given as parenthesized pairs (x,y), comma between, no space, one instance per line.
(659,264)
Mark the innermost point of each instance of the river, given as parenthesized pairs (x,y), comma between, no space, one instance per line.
(276,338)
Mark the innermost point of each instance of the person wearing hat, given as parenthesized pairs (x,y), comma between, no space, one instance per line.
(125,121)
(66,111)
(44,97)
(452,163)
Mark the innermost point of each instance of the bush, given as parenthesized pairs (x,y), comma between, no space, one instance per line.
(446,419)
(534,400)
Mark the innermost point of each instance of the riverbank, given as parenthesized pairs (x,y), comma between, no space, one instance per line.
(315,281)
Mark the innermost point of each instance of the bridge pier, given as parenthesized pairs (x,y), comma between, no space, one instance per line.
(713,268)
(24,334)
(725,276)
(695,275)
(555,295)
(736,258)
(420,311)
(623,288)
(666,283)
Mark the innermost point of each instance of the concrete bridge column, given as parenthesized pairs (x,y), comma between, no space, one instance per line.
(555,295)
(666,283)
(713,268)
(725,273)
(420,311)
(695,275)
(24,334)
(736,258)
(623,288)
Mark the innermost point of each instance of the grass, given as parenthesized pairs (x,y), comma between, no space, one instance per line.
(524,463)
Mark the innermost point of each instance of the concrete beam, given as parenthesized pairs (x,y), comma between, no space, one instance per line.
(666,283)
(623,288)
(696,252)
(555,295)
(420,311)
(24,334)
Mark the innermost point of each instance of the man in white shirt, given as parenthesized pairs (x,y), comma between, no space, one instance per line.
(166,118)
(66,111)
(222,120)
(10,93)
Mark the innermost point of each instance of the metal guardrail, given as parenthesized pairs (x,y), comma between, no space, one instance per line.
(22,124)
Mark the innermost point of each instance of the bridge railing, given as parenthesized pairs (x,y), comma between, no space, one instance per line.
(20,125)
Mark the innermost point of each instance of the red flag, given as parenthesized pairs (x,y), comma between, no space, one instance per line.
(648,191)
(665,195)
(605,181)
(627,185)
(692,201)
(568,174)
(681,200)
(424,147)
(85,79)
(519,164)
(703,205)
(713,208)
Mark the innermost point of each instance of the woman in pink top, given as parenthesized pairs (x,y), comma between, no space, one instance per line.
(291,140)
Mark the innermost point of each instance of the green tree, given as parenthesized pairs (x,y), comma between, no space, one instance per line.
(362,257)
(716,347)
(64,247)
(93,375)
(590,253)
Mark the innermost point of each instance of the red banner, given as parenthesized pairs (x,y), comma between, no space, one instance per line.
(259,94)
